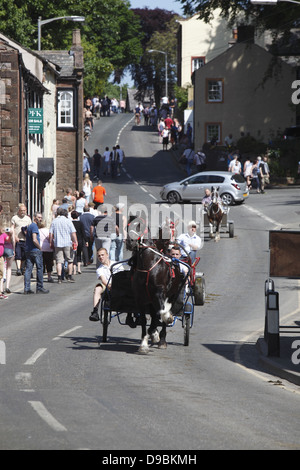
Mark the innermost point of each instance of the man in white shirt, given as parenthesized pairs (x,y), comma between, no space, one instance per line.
(104,277)
(190,241)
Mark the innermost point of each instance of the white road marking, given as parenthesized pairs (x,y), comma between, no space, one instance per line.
(65,333)
(263,216)
(46,416)
(35,356)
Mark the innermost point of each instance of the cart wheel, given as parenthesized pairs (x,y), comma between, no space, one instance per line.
(231,230)
(186,328)
(199,291)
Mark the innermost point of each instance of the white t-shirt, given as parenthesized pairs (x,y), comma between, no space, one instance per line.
(235,166)
(185,239)
(104,271)
(106,155)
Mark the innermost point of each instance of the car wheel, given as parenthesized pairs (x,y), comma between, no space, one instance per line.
(227,199)
(173,197)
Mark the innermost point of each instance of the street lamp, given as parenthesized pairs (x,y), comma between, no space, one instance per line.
(41,22)
(166,66)
(271,2)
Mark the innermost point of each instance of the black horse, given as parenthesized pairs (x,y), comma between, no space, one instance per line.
(156,283)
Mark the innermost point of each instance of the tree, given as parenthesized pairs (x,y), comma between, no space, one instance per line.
(159,28)
(280,18)
(111,34)
(165,41)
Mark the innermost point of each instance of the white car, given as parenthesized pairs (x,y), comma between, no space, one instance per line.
(232,187)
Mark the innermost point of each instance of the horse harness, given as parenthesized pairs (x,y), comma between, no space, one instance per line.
(162,258)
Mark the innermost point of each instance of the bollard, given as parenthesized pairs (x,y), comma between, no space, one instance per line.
(272,323)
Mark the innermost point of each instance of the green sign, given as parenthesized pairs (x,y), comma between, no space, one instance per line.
(35,120)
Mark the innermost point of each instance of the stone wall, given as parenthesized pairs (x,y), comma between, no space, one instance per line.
(11,192)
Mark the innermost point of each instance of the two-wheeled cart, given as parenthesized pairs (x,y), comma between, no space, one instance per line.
(118,299)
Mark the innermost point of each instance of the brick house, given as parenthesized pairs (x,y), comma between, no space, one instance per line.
(37,165)
(231,96)
(70,118)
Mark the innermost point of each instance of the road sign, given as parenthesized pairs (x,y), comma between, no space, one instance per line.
(35,120)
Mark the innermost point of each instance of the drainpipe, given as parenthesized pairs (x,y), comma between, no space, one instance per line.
(20,132)
(77,140)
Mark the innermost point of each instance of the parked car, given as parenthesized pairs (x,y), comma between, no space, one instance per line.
(232,187)
(292,133)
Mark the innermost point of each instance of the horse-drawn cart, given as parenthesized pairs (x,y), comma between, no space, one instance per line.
(118,300)
(226,226)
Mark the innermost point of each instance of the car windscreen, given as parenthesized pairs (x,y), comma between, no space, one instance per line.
(197,179)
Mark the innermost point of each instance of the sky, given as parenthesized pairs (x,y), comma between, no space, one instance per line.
(170,5)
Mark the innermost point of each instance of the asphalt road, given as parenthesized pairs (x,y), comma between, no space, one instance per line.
(61,388)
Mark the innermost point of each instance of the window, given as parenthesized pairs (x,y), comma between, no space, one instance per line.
(65,108)
(213,132)
(200,179)
(214,90)
(197,63)
(215,179)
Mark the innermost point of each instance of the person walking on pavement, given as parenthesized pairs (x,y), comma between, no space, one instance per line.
(21,219)
(64,240)
(34,256)
(98,194)
(87,187)
(86,165)
(87,219)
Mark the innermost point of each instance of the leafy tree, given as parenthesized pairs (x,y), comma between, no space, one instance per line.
(280,18)
(159,28)
(111,34)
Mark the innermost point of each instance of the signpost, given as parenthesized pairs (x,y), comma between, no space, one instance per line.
(35,120)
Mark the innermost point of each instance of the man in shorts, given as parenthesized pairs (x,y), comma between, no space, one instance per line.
(19,221)
(104,280)
(63,238)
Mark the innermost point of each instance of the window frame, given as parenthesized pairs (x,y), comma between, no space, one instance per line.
(60,124)
(219,124)
(214,101)
(193,58)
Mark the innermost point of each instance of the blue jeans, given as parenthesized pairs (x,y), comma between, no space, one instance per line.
(116,248)
(34,257)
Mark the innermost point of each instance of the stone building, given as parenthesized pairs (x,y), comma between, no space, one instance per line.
(70,117)
(41,125)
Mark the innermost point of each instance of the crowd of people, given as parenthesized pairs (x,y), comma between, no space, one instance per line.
(77,227)
(255,171)
(110,163)
(96,107)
